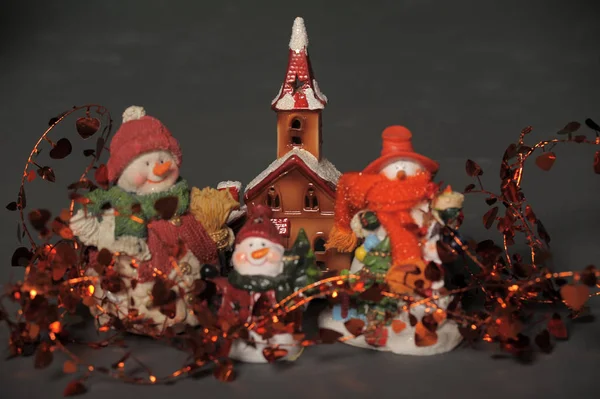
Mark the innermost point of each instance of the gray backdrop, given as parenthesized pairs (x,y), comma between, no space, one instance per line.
(464,76)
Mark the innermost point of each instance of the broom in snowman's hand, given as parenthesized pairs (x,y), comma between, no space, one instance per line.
(212,208)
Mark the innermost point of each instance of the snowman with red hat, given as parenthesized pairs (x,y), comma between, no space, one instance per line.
(261,277)
(391,215)
(144,221)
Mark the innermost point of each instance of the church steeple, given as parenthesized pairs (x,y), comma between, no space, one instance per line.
(299,102)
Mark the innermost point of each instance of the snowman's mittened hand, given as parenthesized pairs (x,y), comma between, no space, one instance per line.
(208,272)
(132,246)
(85,227)
(356,225)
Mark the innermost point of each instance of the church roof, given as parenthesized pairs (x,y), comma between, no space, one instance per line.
(323,173)
(300,90)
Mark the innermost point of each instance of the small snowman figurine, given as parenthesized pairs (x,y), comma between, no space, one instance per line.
(144,221)
(391,216)
(263,274)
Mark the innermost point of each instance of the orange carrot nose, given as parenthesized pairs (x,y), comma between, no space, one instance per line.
(401,175)
(260,253)
(160,169)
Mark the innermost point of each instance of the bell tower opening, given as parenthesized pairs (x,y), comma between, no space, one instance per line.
(296,124)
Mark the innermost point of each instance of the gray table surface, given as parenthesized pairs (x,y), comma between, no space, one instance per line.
(464,76)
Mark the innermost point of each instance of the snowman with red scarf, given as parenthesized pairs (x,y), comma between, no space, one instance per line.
(143,220)
(258,281)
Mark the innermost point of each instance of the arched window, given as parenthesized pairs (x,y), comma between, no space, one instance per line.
(319,245)
(273,200)
(295,131)
(296,124)
(311,202)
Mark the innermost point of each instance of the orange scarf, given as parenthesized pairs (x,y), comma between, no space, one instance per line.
(391,200)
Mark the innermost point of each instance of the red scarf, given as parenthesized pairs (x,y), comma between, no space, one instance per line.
(164,239)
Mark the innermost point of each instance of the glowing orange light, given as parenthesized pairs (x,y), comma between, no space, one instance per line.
(334,294)
(152,379)
(275,319)
(104,329)
(121,365)
(513,288)
(339,282)
(32,294)
(487,338)
(17,295)
(214,338)
(473,327)
(91,368)
(91,289)
(55,327)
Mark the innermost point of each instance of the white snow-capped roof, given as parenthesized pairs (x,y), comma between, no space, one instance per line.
(228,184)
(237,213)
(299,39)
(287,102)
(278,95)
(318,91)
(324,169)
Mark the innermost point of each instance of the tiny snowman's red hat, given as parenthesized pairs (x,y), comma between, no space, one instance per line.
(139,134)
(397,143)
(259,224)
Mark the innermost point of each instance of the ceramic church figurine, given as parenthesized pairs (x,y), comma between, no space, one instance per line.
(299,185)
(143,220)
(390,216)
(263,274)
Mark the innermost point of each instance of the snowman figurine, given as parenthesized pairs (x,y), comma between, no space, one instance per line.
(144,222)
(260,279)
(391,216)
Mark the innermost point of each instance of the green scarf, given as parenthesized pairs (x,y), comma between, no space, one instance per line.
(258,283)
(124,203)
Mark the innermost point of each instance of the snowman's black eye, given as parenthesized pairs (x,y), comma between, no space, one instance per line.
(147,163)
(262,243)
(161,161)
(251,245)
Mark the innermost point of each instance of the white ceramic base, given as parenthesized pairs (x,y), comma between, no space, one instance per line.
(243,352)
(403,343)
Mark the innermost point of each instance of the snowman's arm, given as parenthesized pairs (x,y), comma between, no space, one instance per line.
(86,227)
(92,231)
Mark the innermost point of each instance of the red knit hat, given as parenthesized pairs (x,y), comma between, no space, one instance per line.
(259,225)
(397,144)
(138,135)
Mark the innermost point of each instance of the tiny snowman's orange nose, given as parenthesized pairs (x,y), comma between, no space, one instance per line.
(260,253)
(401,175)
(161,169)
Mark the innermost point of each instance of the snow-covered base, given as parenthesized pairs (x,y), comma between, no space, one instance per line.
(243,352)
(120,304)
(402,343)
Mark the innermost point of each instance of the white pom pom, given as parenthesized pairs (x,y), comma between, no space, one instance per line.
(133,113)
